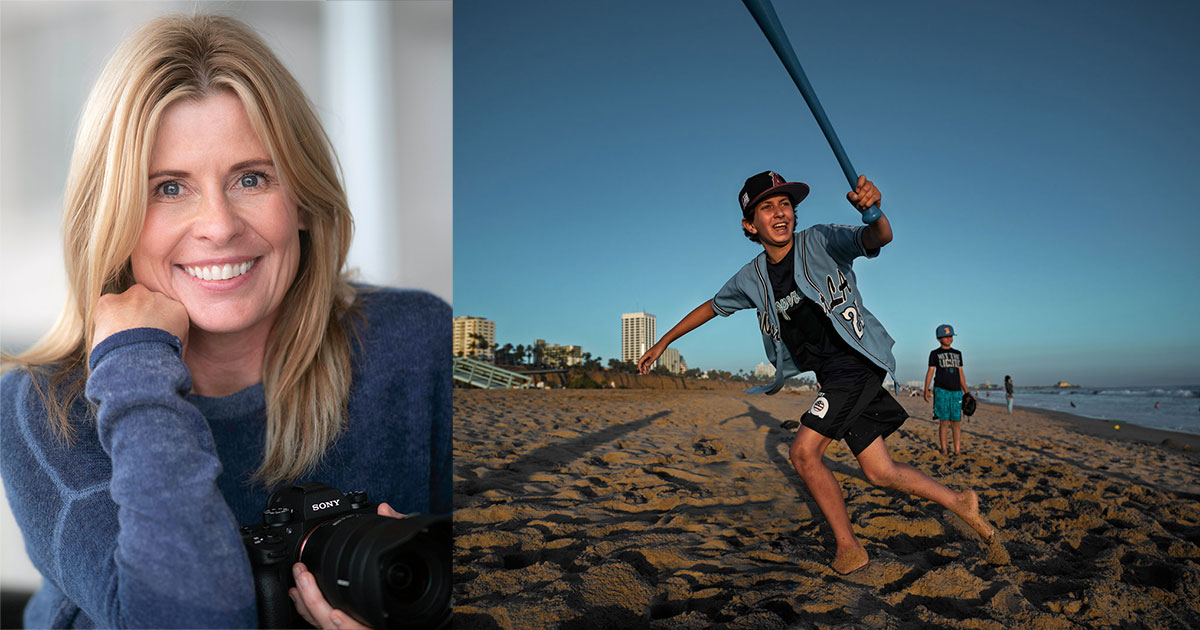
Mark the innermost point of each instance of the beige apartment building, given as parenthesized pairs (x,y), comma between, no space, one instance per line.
(467,333)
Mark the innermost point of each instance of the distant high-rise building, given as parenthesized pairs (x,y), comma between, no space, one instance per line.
(474,337)
(673,361)
(637,335)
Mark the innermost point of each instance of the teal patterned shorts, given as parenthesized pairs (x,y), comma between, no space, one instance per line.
(947,405)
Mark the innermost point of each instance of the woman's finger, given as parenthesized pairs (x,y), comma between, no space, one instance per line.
(386,510)
(314,601)
(345,622)
(294,593)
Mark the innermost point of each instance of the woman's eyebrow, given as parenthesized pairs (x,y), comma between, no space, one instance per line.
(245,164)
(252,163)
(168,174)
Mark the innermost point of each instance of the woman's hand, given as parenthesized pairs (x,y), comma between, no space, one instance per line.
(311,604)
(138,307)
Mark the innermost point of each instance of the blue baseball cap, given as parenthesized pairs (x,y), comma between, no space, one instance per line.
(945,330)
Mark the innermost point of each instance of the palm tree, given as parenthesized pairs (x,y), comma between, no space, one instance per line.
(478,342)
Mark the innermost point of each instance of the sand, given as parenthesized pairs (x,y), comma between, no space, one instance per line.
(679,509)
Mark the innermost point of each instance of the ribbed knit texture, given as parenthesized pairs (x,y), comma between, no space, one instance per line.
(136,524)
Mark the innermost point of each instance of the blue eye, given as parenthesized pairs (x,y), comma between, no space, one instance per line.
(249,181)
(170,189)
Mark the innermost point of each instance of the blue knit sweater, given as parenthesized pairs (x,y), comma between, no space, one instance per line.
(136,523)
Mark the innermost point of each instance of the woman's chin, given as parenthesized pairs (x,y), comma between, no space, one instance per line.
(220,323)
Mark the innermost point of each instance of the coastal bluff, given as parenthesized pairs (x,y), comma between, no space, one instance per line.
(623,380)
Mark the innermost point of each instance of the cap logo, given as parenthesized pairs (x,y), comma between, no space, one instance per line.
(776,180)
(745,200)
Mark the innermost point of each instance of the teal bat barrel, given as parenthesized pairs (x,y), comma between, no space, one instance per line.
(764,14)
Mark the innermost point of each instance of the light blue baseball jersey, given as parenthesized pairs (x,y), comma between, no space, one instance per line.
(824,274)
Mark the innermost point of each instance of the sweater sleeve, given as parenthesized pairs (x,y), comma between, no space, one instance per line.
(155,545)
(441,459)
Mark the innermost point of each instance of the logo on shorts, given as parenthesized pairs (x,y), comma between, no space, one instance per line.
(820,406)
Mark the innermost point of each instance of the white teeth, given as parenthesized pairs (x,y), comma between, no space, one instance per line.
(220,272)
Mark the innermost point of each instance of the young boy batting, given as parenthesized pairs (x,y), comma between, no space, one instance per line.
(813,317)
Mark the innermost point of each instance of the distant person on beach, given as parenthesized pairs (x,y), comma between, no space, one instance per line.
(813,317)
(949,385)
(1008,392)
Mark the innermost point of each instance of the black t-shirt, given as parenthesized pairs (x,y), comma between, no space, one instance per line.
(807,331)
(946,364)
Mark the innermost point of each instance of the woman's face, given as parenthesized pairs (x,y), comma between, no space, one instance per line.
(222,235)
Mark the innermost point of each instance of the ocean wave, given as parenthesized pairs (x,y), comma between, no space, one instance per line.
(1146,393)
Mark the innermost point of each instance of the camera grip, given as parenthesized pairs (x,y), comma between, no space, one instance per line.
(275,608)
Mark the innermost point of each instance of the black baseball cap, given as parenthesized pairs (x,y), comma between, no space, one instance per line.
(769,184)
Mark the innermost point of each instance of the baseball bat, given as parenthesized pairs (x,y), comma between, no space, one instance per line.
(764,14)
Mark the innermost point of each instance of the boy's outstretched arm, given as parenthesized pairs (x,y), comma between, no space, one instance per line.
(865,195)
(690,322)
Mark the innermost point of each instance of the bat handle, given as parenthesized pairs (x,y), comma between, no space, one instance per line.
(764,15)
(872,214)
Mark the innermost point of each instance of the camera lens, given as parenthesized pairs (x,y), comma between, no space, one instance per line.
(406,577)
(385,572)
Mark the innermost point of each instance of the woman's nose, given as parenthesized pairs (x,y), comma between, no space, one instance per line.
(217,220)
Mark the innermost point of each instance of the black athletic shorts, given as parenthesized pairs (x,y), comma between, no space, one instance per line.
(855,408)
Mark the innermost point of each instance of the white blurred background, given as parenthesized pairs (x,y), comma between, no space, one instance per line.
(379,74)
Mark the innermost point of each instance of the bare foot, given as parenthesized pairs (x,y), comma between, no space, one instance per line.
(966,506)
(850,560)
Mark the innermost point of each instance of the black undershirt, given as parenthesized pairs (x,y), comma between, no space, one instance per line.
(807,331)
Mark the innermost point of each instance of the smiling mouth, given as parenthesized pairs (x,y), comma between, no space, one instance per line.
(219,272)
(781,225)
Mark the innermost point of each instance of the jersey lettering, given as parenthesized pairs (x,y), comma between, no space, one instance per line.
(851,315)
(837,292)
(765,325)
(784,305)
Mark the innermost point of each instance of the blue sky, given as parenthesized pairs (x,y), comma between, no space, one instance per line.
(1037,161)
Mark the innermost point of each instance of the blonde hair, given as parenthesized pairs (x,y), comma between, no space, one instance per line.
(306,370)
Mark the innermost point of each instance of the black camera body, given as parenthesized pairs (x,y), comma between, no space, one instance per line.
(384,572)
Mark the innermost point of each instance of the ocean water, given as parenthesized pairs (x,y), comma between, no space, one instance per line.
(1178,407)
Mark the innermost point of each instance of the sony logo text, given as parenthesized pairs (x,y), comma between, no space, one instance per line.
(326,504)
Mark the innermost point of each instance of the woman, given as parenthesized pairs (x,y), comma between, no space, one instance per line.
(211,349)
(1008,392)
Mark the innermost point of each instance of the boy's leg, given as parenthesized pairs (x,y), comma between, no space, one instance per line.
(941,414)
(807,454)
(956,428)
(882,470)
